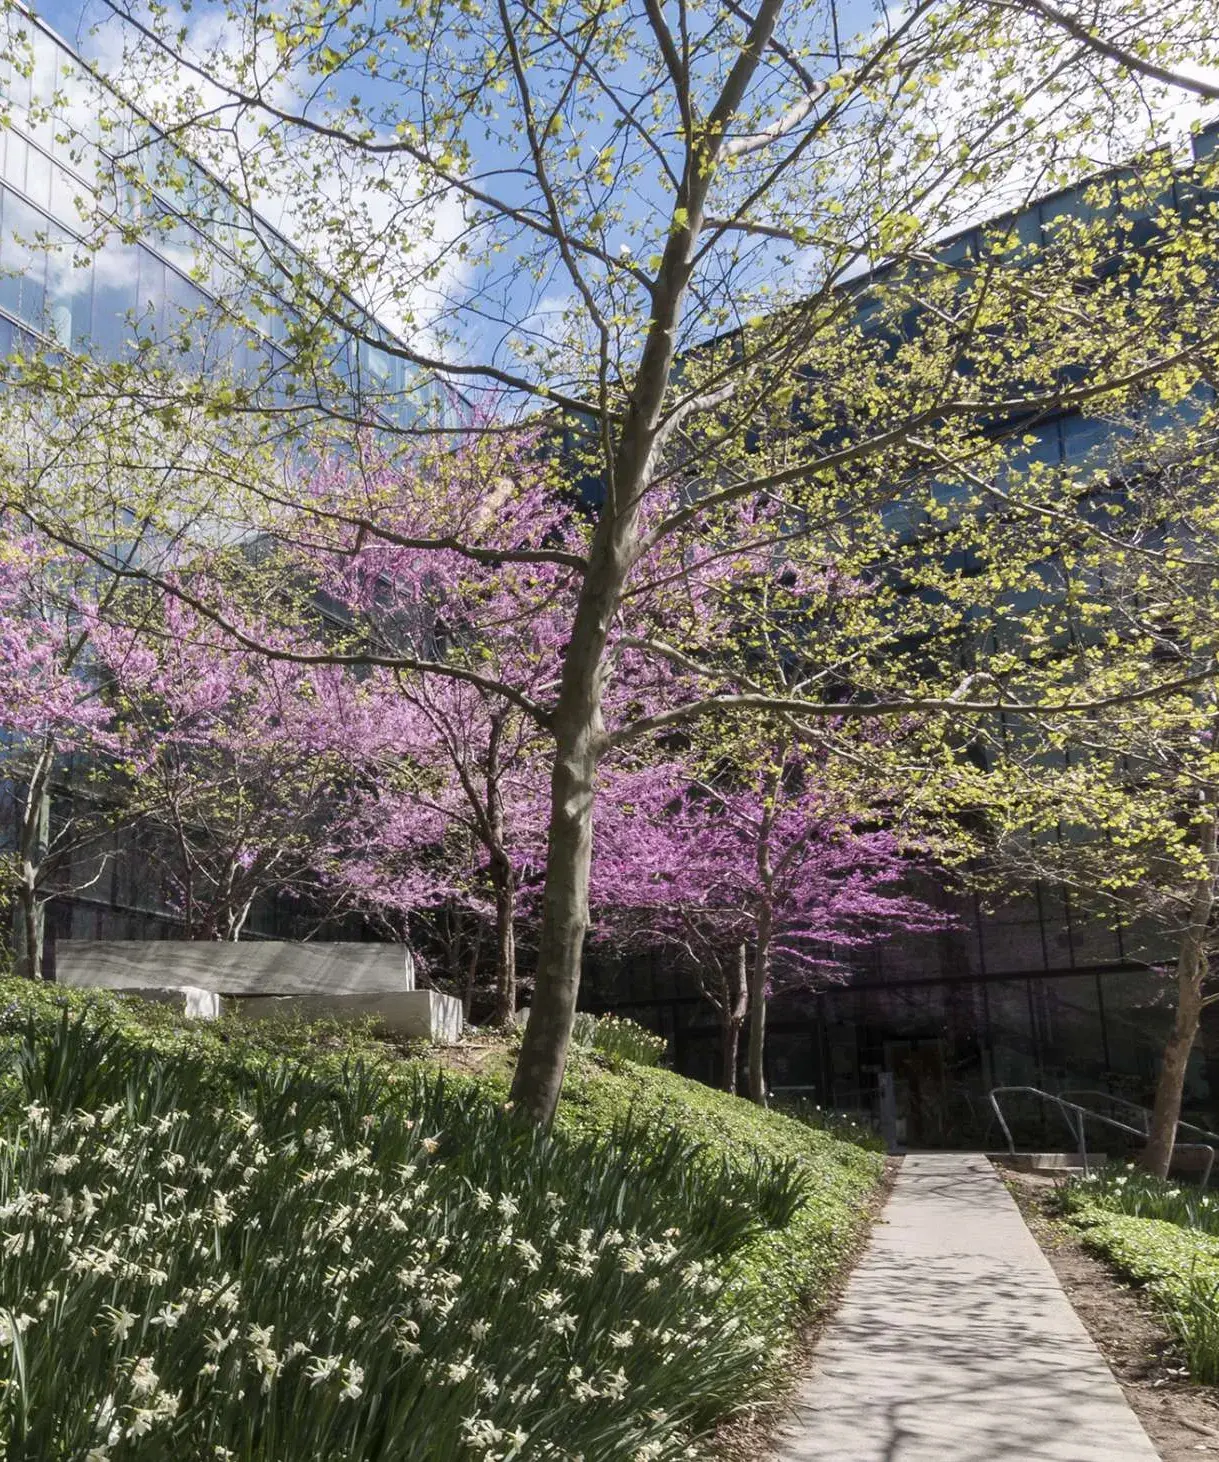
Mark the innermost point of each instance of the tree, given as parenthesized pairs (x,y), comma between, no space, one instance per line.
(241,771)
(53,712)
(1121,806)
(761,873)
(465,761)
(701,185)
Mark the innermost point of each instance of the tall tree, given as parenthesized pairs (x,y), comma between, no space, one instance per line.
(659,221)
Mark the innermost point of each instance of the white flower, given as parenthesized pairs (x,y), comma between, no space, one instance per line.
(168,1315)
(217,1342)
(13,1325)
(533,1260)
(120,1321)
(616,1387)
(479,1329)
(144,1380)
(353,1378)
(621,1339)
(322,1367)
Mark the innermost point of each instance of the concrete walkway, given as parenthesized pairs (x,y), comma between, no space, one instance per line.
(956,1343)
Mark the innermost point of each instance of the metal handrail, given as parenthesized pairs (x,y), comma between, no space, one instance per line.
(1144,1112)
(1076,1126)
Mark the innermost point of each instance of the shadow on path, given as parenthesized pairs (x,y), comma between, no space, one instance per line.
(956,1343)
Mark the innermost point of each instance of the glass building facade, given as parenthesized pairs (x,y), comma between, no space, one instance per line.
(151,274)
(193,288)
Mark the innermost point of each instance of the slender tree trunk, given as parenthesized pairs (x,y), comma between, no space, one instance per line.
(504,882)
(1191,975)
(538,1080)
(576,724)
(29,914)
(759,978)
(733,1010)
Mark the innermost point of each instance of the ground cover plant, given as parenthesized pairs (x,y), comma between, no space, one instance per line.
(1162,1235)
(262,1244)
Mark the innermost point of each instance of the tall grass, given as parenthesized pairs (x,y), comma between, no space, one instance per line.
(354,1268)
(1158,1233)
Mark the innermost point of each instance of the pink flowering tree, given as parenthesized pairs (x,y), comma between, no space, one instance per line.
(54,716)
(241,767)
(457,824)
(764,881)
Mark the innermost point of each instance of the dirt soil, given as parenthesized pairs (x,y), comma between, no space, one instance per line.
(751,1436)
(1181,1418)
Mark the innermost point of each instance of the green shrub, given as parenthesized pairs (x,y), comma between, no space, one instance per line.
(282,1243)
(1130,1190)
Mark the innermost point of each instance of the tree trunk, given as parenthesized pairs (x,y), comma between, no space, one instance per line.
(504,883)
(733,1010)
(576,722)
(758,980)
(29,914)
(539,1069)
(1191,974)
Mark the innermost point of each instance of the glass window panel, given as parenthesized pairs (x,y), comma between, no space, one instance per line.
(23,264)
(16,151)
(64,191)
(150,300)
(69,293)
(38,178)
(115,271)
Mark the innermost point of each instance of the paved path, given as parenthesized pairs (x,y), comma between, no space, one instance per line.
(956,1343)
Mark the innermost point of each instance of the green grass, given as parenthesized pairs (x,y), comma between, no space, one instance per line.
(1156,1234)
(282,1242)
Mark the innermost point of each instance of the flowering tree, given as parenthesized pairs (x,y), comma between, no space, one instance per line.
(764,876)
(52,710)
(463,762)
(240,768)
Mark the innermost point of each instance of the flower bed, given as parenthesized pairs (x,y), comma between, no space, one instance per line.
(220,1250)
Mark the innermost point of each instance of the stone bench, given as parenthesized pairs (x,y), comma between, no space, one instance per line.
(267,979)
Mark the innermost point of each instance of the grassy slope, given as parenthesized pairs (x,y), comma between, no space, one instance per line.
(793,1264)
(784,1270)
